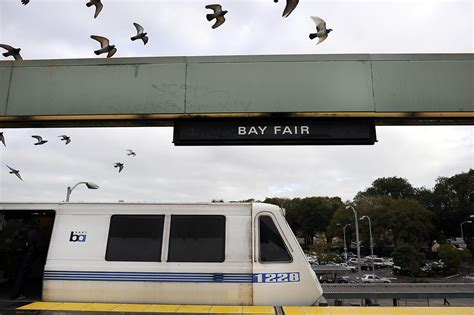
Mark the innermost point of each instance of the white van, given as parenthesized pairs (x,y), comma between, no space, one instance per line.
(200,253)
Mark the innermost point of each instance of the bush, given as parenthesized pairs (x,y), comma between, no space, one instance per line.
(453,256)
(466,254)
(325,258)
(408,259)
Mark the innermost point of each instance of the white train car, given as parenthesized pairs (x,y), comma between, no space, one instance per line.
(202,253)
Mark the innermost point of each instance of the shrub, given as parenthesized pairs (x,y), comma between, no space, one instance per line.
(408,259)
(452,256)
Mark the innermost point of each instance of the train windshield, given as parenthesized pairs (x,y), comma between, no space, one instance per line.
(272,246)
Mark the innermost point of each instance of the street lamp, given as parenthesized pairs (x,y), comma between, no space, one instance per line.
(371,242)
(345,245)
(462,233)
(357,234)
(344,233)
(89,185)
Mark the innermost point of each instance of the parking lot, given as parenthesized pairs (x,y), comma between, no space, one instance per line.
(385,271)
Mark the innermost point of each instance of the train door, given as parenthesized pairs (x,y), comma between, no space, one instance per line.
(24,242)
(282,275)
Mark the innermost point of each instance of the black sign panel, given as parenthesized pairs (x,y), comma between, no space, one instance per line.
(275,132)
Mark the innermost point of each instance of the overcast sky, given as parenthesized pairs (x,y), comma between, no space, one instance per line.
(46,29)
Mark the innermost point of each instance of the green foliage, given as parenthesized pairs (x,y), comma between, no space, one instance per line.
(307,216)
(453,256)
(395,220)
(399,213)
(376,208)
(408,258)
(410,222)
(466,255)
(328,257)
(453,201)
(341,216)
(393,187)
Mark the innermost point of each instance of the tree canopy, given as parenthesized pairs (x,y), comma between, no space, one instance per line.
(394,187)
(400,213)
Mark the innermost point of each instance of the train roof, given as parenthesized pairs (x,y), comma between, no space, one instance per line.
(130,205)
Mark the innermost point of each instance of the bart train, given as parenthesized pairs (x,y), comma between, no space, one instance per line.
(196,253)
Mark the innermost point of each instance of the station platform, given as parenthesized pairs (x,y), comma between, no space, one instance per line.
(112,309)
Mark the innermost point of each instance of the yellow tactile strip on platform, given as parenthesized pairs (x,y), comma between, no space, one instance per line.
(148,308)
(400,310)
(246,310)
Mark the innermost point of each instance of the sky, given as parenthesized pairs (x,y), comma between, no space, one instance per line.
(46,29)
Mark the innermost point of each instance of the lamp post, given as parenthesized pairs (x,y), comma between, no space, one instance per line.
(462,233)
(344,233)
(345,245)
(371,241)
(89,185)
(357,235)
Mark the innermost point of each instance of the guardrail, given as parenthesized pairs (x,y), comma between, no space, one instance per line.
(398,290)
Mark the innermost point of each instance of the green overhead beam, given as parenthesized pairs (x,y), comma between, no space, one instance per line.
(393,89)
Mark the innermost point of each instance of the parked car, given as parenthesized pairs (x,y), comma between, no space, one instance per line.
(379,263)
(366,264)
(368,278)
(353,268)
(349,255)
(312,259)
(388,262)
(433,267)
(331,278)
(457,241)
(353,261)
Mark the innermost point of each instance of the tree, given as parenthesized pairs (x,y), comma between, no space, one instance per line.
(341,216)
(453,202)
(451,256)
(424,197)
(377,209)
(410,222)
(395,220)
(394,187)
(306,216)
(408,258)
(291,209)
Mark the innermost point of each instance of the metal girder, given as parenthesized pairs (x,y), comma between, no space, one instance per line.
(392,89)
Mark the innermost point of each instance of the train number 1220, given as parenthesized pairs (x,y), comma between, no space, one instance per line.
(276,277)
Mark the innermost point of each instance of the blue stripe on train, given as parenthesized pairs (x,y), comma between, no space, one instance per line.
(148,276)
(281,277)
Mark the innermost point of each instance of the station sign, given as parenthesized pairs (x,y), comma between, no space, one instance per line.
(286,131)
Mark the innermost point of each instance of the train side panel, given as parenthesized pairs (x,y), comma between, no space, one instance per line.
(77,270)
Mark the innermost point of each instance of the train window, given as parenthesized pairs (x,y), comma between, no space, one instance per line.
(272,246)
(135,238)
(197,238)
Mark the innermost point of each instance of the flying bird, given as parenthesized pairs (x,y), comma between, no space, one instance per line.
(15,52)
(2,139)
(119,165)
(130,152)
(218,14)
(25,2)
(65,138)
(39,139)
(14,171)
(98,6)
(290,6)
(140,34)
(321,28)
(105,46)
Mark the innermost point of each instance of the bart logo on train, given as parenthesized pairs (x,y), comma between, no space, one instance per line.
(78,236)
